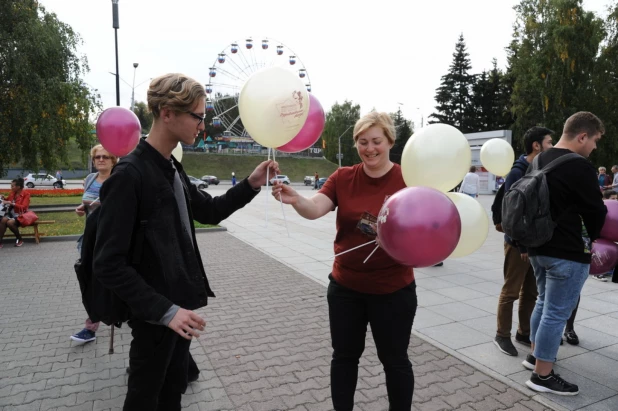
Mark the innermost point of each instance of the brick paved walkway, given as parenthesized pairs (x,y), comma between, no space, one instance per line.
(267,344)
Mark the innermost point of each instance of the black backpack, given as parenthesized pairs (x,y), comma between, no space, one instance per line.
(100,303)
(496,207)
(526,214)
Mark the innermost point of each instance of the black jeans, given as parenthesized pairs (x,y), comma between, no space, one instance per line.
(159,360)
(390,317)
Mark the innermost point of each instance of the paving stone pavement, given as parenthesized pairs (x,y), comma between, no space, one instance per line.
(266,345)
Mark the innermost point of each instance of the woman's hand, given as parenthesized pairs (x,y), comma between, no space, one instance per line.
(285,193)
(81,210)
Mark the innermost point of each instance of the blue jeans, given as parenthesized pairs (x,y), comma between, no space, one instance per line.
(559,283)
(471,195)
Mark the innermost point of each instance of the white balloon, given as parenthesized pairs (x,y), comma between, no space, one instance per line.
(497,156)
(436,156)
(474,224)
(273,106)
(177,153)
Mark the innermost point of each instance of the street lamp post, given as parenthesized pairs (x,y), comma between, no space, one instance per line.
(116,25)
(133,87)
(340,144)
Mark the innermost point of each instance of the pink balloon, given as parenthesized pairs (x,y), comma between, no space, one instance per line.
(311,131)
(118,130)
(419,226)
(610,228)
(604,256)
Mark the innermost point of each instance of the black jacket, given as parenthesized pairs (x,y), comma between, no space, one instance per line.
(171,269)
(576,206)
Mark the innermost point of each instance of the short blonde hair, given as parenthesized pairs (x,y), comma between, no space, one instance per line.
(174,91)
(93,152)
(602,169)
(382,120)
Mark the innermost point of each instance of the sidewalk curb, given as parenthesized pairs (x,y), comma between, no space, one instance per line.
(55,238)
(536,397)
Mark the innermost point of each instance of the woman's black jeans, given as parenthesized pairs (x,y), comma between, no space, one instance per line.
(390,317)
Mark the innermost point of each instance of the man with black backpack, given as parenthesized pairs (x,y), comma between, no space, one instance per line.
(557,211)
(146,251)
(519,281)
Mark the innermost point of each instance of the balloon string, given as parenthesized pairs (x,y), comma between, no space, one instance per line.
(285,220)
(266,198)
(358,246)
(374,250)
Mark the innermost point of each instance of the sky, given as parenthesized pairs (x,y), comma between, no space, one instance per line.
(381,54)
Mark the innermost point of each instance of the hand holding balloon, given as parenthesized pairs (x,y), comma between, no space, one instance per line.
(258,178)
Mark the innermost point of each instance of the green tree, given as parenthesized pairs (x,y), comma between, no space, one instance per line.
(43,100)
(489,101)
(144,116)
(404,131)
(606,91)
(454,94)
(340,121)
(553,57)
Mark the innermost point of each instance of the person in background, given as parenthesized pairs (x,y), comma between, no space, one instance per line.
(103,162)
(470,183)
(19,200)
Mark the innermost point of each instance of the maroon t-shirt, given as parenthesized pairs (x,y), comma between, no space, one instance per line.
(354,193)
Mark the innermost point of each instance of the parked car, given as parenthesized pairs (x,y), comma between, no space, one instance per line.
(43,180)
(282,178)
(211,180)
(201,185)
(309,180)
(321,182)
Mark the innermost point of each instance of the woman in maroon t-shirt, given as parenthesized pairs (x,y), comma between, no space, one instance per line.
(380,292)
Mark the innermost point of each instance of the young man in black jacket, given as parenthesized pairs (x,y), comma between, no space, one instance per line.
(169,282)
(519,281)
(561,266)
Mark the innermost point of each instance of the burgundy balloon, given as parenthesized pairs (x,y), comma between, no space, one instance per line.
(610,228)
(311,131)
(604,256)
(419,226)
(118,130)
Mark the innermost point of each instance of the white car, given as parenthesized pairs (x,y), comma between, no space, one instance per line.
(282,178)
(201,185)
(43,180)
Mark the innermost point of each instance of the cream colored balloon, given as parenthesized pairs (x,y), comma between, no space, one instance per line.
(497,156)
(177,153)
(273,106)
(436,156)
(474,224)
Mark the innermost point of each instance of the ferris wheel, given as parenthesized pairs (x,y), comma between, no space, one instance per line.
(233,67)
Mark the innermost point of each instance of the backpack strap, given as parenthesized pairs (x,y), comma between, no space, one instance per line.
(90,178)
(554,163)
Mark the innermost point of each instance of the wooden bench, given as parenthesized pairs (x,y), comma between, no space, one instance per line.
(36,234)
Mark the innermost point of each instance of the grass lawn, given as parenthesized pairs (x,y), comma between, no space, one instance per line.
(69,223)
(73,200)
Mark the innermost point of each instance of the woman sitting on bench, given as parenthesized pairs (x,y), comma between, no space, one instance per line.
(18,203)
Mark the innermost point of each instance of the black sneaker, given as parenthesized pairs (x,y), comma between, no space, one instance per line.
(571,337)
(529,362)
(523,339)
(506,346)
(552,383)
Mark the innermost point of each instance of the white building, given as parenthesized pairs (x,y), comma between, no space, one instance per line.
(487,180)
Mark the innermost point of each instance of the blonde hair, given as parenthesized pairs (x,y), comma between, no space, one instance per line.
(602,169)
(93,152)
(382,120)
(174,91)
